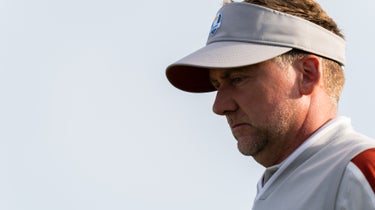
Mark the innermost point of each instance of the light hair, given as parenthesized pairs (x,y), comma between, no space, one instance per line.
(333,73)
(227,2)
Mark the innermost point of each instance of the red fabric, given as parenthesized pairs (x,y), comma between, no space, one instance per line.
(365,161)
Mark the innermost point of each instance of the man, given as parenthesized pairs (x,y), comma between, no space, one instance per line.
(277,68)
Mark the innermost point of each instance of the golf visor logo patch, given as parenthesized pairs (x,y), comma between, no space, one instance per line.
(216,24)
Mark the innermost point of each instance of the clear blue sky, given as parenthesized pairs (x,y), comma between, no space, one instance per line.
(89,121)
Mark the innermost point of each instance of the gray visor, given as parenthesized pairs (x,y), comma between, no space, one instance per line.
(244,34)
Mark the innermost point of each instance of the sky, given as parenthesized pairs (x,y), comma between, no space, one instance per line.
(89,121)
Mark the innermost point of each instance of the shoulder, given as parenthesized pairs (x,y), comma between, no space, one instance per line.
(365,162)
(357,186)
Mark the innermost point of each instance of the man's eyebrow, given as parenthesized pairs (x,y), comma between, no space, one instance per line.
(226,73)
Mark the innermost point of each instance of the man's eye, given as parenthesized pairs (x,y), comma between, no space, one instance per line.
(215,84)
(236,80)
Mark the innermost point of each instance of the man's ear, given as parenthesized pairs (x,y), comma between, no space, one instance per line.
(310,67)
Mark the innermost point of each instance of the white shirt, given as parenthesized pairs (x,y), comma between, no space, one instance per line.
(354,191)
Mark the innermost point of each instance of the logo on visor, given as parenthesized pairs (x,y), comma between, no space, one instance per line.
(216,24)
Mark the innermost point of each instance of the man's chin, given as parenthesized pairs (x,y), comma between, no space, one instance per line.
(249,146)
(246,150)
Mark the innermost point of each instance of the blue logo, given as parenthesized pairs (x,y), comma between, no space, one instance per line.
(216,24)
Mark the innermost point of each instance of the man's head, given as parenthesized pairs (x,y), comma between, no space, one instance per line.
(245,34)
(278,76)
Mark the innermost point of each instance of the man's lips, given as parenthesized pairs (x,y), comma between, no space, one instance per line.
(239,125)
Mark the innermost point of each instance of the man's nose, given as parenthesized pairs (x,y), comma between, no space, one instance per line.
(224,102)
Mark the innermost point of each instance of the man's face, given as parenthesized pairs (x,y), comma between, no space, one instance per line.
(259,102)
